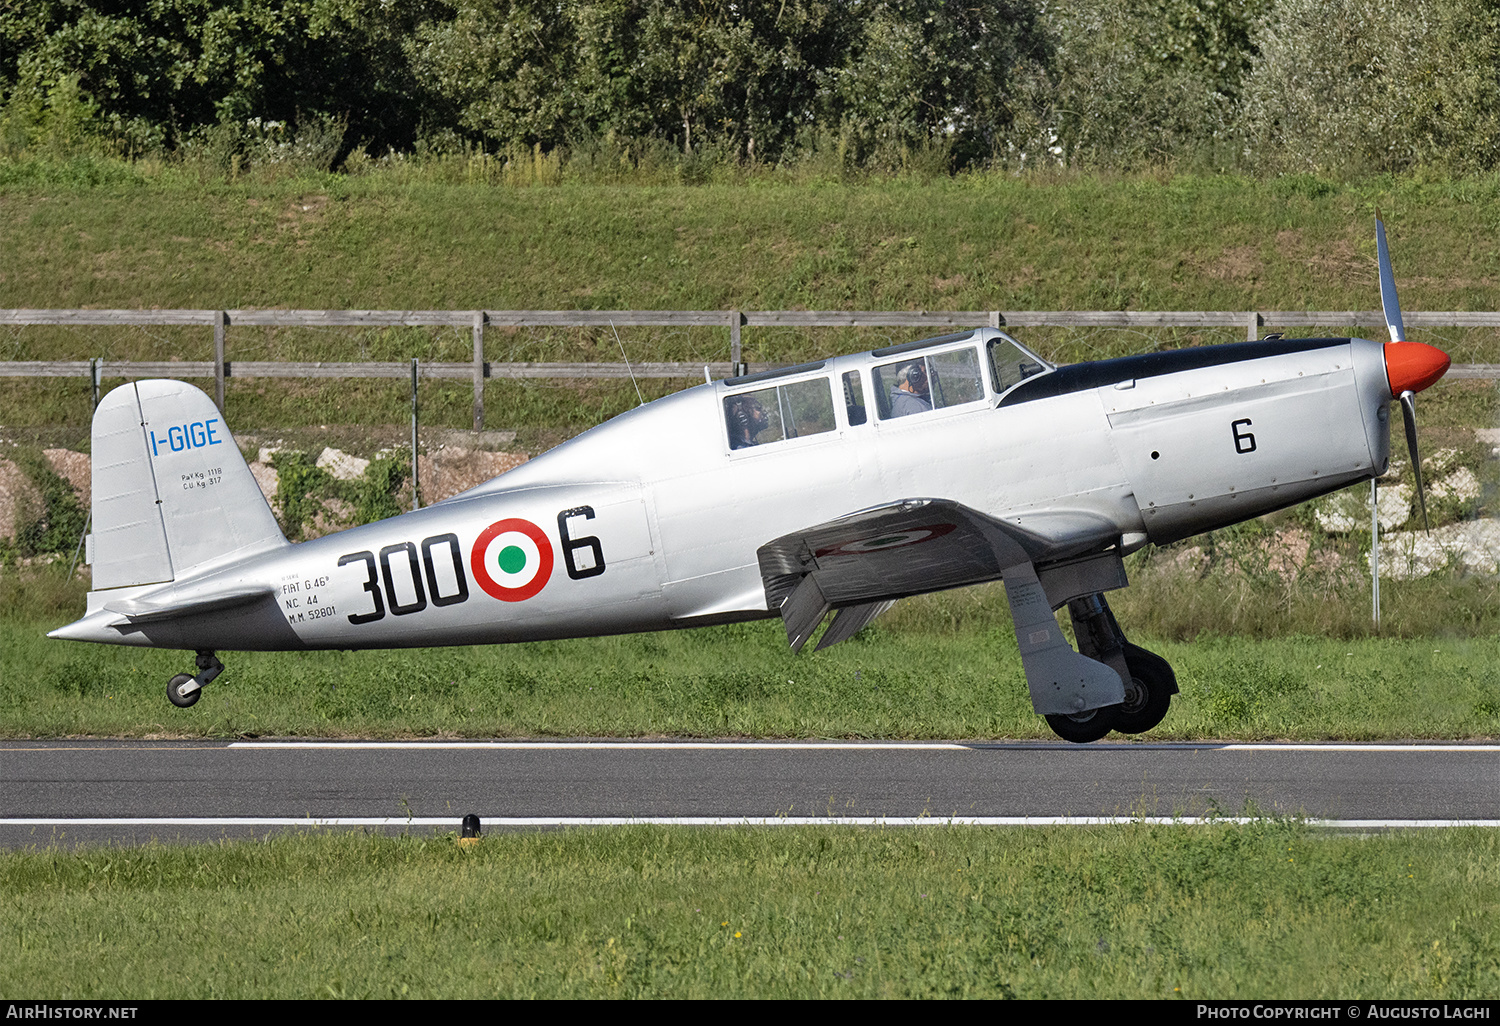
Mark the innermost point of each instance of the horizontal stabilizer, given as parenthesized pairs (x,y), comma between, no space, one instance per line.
(156,607)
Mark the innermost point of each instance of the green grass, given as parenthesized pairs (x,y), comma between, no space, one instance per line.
(940,666)
(974,243)
(971,243)
(1267,910)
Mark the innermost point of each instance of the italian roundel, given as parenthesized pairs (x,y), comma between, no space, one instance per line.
(890,540)
(511,560)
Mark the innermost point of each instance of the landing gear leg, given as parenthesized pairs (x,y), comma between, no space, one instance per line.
(183,690)
(1149,680)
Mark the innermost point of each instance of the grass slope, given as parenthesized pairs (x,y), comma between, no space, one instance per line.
(971,243)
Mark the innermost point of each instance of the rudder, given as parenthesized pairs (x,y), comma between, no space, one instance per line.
(171,490)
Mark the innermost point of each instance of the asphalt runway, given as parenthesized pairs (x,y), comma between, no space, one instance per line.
(134,791)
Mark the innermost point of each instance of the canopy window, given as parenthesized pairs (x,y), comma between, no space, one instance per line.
(932,381)
(767,415)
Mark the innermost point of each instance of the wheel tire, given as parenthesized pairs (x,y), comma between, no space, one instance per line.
(1149,694)
(1085,727)
(176,697)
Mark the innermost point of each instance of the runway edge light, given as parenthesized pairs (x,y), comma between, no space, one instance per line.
(469,833)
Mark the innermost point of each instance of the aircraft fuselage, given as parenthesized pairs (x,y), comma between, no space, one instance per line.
(653,520)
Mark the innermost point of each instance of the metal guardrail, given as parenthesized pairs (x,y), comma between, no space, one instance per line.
(477,370)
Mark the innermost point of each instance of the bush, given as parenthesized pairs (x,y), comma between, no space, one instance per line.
(1135,84)
(1359,86)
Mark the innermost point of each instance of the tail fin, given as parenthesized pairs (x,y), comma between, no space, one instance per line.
(171,490)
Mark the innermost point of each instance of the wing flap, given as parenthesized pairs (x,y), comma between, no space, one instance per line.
(919,545)
(849,621)
(888,552)
(860,563)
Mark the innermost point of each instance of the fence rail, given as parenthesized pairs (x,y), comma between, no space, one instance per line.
(477,370)
(387,369)
(759,318)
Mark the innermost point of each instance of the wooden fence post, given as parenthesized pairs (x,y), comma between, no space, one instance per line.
(479,319)
(220,319)
(736,363)
(1252,327)
(415,500)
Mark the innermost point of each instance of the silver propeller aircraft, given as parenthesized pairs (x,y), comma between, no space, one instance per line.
(838,486)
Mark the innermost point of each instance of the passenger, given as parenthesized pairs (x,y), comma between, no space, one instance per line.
(747,418)
(910,393)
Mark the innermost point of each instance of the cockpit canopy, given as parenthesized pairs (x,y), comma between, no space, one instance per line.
(904,380)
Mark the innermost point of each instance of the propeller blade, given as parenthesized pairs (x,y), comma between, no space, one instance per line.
(1388,301)
(1409,414)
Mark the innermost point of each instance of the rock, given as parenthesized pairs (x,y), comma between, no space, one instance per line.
(1461,484)
(1190,562)
(266,479)
(334,515)
(1439,462)
(1286,552)
(1472,546)
(19,498)
(456,470)
(460,439)
(341,465)
(1349,510)
(76,469)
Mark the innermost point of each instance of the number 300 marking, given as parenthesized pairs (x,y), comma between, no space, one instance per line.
(426,570)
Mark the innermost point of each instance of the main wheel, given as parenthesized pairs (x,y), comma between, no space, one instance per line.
(1085,726)
(1149,693)
(174,691)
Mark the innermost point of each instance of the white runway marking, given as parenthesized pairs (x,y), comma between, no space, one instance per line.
(1312,746)
(942,746)
(683,746)
(491,822)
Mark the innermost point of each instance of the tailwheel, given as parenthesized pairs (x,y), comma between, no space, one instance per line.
(1081,728)
(1148,692)
(183,690)
(183,698)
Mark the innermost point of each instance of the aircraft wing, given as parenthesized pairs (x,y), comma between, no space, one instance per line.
(860,563)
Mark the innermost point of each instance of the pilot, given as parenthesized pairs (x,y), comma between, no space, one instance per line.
(747,418)
(910,393)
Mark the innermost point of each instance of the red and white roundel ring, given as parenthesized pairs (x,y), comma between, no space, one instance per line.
(889,540)
(511,560)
